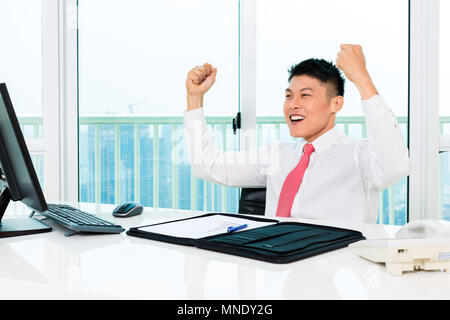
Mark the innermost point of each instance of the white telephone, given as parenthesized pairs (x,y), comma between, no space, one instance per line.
(419,245)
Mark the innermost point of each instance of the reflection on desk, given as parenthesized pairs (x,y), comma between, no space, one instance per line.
(116,266)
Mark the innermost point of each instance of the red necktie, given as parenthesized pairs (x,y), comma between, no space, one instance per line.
(292,183)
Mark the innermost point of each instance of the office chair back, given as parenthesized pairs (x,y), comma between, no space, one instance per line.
(253,201)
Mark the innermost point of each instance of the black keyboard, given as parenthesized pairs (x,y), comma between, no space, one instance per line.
(79,221)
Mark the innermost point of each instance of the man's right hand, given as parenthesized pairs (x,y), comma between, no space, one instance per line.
(199,80)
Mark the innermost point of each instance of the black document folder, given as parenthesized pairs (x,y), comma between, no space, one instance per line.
(275,242)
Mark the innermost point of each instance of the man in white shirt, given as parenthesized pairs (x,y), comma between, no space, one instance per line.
(338,178)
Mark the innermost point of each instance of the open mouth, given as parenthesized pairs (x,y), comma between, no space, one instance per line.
(296,118)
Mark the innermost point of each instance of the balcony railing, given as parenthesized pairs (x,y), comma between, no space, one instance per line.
(142,158)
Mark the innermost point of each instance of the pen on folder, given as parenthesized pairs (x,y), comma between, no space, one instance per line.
(233,229)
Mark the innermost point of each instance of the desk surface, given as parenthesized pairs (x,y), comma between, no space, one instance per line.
(52,266)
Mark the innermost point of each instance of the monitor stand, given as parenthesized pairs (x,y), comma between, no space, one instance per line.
(13,227)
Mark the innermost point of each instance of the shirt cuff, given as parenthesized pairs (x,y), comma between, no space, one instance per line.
(194,117)
(375,107)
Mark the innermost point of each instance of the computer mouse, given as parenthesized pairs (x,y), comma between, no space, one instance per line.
(128,209)
(426,228)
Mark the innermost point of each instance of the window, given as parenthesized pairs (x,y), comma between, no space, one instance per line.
(290,31)
(120,61)
(130,96)
(20,65)
(444,107)
(133,63)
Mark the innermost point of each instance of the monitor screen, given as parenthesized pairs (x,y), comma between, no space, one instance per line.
(18,179)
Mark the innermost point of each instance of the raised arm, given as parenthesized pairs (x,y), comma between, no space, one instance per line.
(383,158)
(240,168)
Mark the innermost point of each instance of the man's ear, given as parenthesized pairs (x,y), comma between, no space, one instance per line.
(337,103)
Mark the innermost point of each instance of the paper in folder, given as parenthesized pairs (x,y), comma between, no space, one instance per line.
(262,239)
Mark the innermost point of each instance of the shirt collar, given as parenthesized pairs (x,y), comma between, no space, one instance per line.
(325,141)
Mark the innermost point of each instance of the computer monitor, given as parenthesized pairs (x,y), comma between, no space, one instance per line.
(18,179)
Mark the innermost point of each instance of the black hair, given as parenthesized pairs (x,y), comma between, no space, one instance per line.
(322,70)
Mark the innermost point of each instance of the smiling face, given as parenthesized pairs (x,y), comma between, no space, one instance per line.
(309,109)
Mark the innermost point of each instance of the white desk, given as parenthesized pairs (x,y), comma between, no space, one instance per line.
(51,266)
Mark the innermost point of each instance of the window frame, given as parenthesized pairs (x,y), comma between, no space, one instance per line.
(424,136)
(50,100)
(59,100)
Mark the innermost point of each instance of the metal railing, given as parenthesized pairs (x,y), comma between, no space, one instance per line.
(203,195)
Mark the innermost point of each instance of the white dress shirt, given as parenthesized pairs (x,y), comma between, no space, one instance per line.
(343,179)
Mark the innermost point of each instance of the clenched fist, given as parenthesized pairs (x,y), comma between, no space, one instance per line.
(199,80)
(352,62)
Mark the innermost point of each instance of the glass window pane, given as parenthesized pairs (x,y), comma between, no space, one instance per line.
(445,186)
(20,66)
(444,64)
(20,57)
(290,31)
(133,61)
(444,104)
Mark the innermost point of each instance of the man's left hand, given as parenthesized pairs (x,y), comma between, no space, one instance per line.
(352,62)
